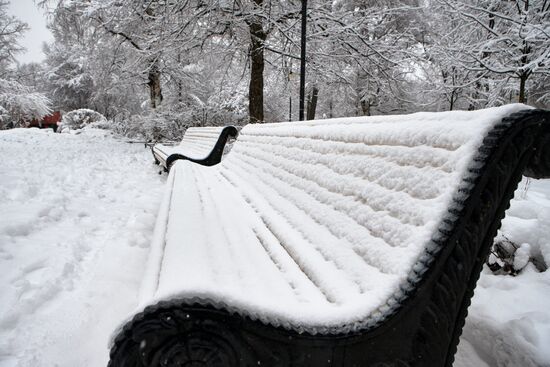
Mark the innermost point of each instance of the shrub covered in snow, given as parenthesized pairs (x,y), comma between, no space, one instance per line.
(170,121)
(5,119)
(19,103)
(150,127)
(78,119)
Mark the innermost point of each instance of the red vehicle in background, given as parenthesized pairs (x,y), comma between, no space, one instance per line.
(48,121)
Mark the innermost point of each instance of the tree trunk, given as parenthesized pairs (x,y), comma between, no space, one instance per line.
(256,87)
(452,102)
(180,84)
(312,103)
(524,74)
(365,107)
(155,91)
(522,80)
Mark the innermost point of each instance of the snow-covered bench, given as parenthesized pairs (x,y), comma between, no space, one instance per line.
(203,145)
(343,242)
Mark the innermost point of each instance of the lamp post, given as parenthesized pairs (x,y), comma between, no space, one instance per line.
(290,77)
(303,61)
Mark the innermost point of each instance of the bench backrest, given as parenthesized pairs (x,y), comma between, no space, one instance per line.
(199,141)
(202,145)
(371,194)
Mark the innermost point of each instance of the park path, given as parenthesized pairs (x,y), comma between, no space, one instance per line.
(77,213)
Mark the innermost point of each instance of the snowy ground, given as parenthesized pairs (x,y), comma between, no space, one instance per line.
(76,218)
(509,319)
(77,213)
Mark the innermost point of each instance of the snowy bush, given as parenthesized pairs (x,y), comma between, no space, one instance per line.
(169,124)
(78,119)
(152,127)
(5,119)
(20,103)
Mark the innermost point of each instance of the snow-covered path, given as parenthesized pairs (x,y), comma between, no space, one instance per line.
(77,212)
(76,218)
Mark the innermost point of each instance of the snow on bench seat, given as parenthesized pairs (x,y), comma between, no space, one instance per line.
(203,145)
(315,226)
(342,242)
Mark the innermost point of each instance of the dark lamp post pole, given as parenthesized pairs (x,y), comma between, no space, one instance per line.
(303,61)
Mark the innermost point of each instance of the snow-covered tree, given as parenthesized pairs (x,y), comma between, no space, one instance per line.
(504,44)
(11,29)
(68,78)
(204,62)
(20,104)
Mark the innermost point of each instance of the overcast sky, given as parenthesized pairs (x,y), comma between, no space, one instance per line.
(28,12)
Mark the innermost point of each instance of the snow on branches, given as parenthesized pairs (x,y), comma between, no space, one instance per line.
(21,104)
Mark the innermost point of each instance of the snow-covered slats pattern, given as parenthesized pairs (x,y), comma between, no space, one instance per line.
(197,143)
(315,225)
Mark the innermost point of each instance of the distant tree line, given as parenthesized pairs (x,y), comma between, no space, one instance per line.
(204,62)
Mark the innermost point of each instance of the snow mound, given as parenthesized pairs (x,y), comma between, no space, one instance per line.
(78,119)
(318,226)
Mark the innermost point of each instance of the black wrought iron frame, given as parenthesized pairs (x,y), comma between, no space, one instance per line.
(423,330)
